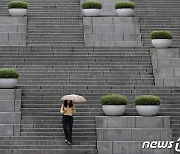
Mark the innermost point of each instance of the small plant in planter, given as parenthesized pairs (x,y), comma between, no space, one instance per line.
(8,77)
(17,8)
(114,104)
(147,105)
(161,39)
(125,9)
(91,8)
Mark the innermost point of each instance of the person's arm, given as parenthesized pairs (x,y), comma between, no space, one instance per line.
(62,109)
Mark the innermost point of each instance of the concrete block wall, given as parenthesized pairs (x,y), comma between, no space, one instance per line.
(10,112)
(13,31)
(111,31)
(166,66)
(126,134)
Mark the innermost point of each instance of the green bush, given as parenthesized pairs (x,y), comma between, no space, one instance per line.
(8,73)
(114,99)
(126,4)
(161,35)
(91,4)
(147,100)
(17,4)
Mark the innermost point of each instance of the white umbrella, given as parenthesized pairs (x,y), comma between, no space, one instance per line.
(75,98)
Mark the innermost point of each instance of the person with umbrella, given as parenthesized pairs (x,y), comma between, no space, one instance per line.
(68,110)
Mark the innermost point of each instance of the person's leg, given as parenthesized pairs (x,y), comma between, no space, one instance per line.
(70,125)
(65,124)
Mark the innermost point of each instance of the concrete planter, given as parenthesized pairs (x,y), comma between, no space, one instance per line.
(17,12)
(7,83)
(161,43)
(147,110)
(126,12)
(114,110)
(91,12)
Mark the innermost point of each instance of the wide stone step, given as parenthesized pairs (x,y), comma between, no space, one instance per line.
(54,39)
(47,147)
(94,97)
(34,115)
(37,123)
(58,23)
(56,30)
(84,49)
(54,26)
(88,83)
(82,57)
(52,151)
(38,111)
(68,43)
(76,126)
(48,88)
(61,134)
(76,53)
(58,130)
(46,138)
(57,118)
(90,70)
(43,142)
(81,80)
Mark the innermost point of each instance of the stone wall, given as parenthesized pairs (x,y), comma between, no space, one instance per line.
(126,134)
(13,31)
(111,31)
(10,112)
(166,66)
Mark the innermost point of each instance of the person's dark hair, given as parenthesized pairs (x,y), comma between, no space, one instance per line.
(70,104)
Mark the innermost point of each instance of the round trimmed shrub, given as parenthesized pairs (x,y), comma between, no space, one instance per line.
(161,35)
(147,100)
(91,4)
(17,4)
(126,4)
(114,99)
(9,73)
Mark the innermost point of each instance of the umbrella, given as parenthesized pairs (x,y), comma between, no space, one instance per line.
(75,98)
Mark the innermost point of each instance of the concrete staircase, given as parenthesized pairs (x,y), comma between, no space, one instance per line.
(50,73)
(52,22)
(51,68)
(158,15)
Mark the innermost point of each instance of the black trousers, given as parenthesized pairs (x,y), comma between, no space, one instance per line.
(67,126)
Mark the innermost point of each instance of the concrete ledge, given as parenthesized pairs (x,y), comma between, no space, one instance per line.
(13,31)
(132,122)
(9,130)
(111,31)
(166,66)
(10,117)
(174,82)
(13,20)
(133,134)
(165,53)
(117,147)
(10,94)
(10,106)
